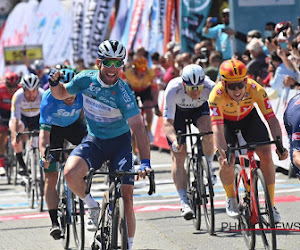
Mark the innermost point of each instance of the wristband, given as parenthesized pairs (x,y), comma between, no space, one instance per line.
(53,84)
(145,161)
(174,146)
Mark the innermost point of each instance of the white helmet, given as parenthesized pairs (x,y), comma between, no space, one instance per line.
(193,75)
(30,82)
(111,49)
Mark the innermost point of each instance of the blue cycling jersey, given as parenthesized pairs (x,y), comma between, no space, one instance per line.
(56,112)
(106,108)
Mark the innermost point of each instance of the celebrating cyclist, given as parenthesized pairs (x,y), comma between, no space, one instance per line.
(59,120)
(186,98)
(8,87)
(25,113)
(111,111)
(232,108)
(292,124)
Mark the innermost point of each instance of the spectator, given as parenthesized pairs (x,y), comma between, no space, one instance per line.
(215,60)
(253,34)
(158,70)
(257,67)
(172,71)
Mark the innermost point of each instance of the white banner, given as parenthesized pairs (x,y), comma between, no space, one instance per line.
(17,29)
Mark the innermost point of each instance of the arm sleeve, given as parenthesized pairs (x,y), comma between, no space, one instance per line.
(263,102)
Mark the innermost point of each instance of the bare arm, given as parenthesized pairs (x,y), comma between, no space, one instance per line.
(296,158)
(137,126)
(219,136)
(170,130)
(44,140)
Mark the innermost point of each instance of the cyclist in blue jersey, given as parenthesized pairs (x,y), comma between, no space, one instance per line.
(292,124)
(59,120)
(111,111)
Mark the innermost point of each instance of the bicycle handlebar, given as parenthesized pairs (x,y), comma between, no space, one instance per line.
(48,151)
(180,135)
(31,133)
(118,173)
(252,146)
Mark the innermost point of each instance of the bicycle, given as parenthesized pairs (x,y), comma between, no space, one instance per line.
(253,196)
(112,226)
(34,180)
(199,184)
(70,207)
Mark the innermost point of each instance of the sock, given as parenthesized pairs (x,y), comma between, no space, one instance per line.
(183,196)
(149,125)
(271,189)
(229,189)
(53,217)
(20,160)
(90,202)
(130,243)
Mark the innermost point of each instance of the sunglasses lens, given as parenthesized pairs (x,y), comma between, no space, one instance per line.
(233,86)
(191,88)
(109,63)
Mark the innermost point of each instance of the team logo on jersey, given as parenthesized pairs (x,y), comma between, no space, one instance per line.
(268,104)
(219,92)
(246,108)
(214,111)
(297,102)
(296,136)
(253,86)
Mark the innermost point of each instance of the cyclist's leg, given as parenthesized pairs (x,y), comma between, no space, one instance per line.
(122,159)
(18,125)
(3,142)
(147,100)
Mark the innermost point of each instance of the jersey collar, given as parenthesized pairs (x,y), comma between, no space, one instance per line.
(105,85)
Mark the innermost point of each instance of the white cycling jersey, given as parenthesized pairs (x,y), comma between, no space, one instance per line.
(175,96)
(20,106)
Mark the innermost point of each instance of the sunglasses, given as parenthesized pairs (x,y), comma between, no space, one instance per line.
(196,88)
(116,63)
(233,86)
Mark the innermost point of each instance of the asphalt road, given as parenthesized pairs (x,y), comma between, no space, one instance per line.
(159,224)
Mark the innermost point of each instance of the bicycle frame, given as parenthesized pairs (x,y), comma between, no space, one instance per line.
(244,175)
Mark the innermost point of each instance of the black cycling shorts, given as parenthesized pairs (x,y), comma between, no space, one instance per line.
(145,94)
(252,128)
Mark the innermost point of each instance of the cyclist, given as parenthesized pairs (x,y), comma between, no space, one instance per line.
(232,107)
(59,120)
(7,88)
(25,113)
(292,124)
(186,97)
(141,79)
(111,111)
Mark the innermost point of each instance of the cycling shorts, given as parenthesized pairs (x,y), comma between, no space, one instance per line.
(144,94)
(32,123)
(73,133)
(117,150)
(252,128)
(4,115)
(181,114)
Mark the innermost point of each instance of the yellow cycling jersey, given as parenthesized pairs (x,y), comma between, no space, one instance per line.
(222,106)
(139,84)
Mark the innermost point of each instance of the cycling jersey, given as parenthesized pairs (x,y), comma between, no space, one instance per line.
(106,108)
(56,112)
(222,106)
(20,106)
(292,124)
(139,84)
(175,95)
(5,97)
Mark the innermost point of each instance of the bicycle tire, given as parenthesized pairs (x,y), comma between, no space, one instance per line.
(63,216)
(15,179)
(207,195)
(8,170)
(265,211)
(104,224)
(119,226)
(244,202)
(193,194)
(39,182)
(78,221)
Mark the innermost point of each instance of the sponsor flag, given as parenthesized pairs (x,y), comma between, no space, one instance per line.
(193,18)
(77,29)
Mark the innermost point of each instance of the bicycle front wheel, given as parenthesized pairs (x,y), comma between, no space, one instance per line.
(243,199)
(40,185)
(193,192)
(265,211)
(119,226)
(78,221)
(207,195)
